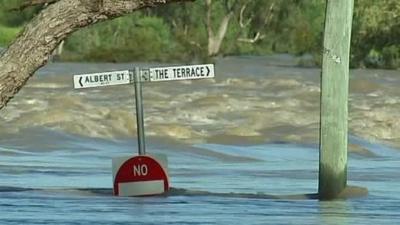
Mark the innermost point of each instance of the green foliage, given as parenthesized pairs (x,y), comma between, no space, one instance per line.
(11,21)
(376,32)
(186,22)
(391,56)
(7,35)
(307,27)
(128,38)
(14,18)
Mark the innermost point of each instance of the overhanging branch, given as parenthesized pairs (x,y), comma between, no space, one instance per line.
(41,36)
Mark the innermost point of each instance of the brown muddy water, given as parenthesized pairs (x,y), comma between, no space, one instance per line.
(252,100)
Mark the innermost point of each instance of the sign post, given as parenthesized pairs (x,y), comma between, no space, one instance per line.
(142,175)
(139,112)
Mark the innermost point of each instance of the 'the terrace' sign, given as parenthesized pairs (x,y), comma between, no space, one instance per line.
(191,72)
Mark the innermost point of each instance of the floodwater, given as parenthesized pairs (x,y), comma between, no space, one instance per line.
(236,146)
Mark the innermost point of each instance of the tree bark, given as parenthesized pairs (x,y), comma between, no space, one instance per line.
(30,3)
(34,45)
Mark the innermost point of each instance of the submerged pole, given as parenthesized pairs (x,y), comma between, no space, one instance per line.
(334,99)
(139,112)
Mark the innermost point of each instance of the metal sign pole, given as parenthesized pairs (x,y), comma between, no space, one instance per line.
(139,112)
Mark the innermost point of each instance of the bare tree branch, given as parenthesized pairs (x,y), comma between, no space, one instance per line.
(230,7)
(257,37)
(208,18)
(258,34)
(270,15)
(241,16)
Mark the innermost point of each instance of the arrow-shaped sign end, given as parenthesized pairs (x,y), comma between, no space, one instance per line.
(80,81)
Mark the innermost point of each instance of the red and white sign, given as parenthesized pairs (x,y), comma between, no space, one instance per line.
(139,176)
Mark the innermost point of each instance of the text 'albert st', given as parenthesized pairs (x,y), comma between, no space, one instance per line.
(102,79)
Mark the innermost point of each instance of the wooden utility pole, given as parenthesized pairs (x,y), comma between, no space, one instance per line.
(334,97)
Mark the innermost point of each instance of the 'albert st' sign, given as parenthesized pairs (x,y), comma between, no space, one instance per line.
(102,79)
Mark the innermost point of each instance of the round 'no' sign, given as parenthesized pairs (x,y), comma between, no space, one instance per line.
(139,176)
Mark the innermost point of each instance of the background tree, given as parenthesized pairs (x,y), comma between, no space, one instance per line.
(181,32)
(217,27)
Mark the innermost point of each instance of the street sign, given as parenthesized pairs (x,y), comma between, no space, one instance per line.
(102,79)
(140,176)
(190,72)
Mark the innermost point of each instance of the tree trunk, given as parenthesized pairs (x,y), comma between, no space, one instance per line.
(34,45)
(215,39)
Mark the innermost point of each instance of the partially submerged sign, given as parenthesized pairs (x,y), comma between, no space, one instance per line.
(190,72)
(140,176)
(102,79)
